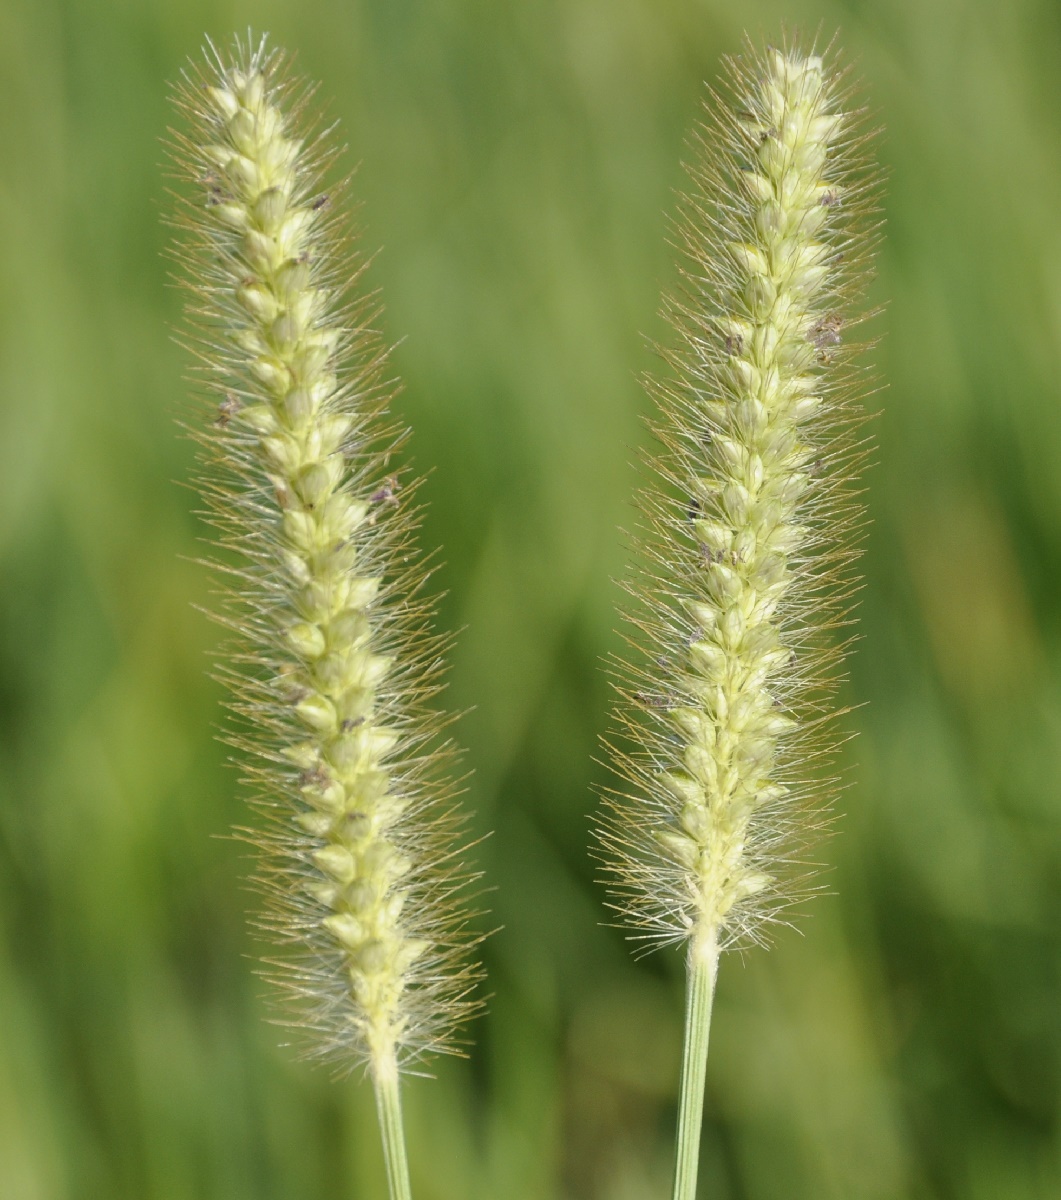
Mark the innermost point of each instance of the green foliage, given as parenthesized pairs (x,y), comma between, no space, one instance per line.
(517,161)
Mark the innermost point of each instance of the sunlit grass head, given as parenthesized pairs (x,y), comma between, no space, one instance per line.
(749,518)
(726,734)
(332,664)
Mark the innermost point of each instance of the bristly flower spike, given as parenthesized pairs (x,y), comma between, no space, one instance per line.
(332,666)
(749,525)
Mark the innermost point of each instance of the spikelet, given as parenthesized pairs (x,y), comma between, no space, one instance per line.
(749,522)
(332,666)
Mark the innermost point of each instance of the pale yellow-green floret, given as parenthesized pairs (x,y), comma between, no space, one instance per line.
(335,713)
(745,442)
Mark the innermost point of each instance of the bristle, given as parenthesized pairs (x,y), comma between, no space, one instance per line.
(725,736)
(332,665)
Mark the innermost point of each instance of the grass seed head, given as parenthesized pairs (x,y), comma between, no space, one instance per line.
(331,663)
(749,519)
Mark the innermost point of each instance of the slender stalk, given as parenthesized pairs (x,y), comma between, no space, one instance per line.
(392,1129)
(700,993)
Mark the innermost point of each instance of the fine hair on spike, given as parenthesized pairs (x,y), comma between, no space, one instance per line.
(331,661)
(725,736)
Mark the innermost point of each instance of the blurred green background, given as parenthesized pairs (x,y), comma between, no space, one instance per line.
(518,159)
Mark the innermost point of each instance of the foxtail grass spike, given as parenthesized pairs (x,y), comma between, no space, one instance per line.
(725,735)
(332,665)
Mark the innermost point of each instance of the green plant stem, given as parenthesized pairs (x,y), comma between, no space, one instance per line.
(389,1108)
(700,991)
